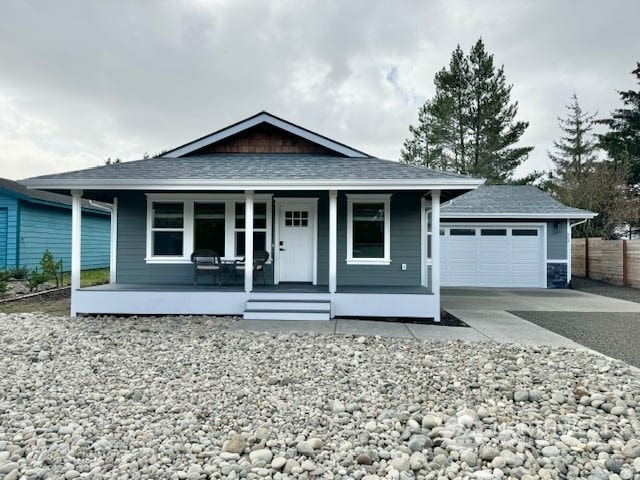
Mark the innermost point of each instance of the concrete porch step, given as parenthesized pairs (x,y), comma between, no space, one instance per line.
(287,309)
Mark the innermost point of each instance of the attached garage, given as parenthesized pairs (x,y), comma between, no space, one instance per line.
(507,236)
(499,255)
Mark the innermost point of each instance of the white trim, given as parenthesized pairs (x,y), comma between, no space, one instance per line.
(248,241)
(423,242)
(113,258)
(188,200)
(76,247)
(333,241)
(356,198)
(536,216)
(264,117)
(435,251)
(551,260)
(569,245)
(307,202)
(244,184)
(517,225)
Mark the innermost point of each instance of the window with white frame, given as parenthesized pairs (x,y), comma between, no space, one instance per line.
(167,229)
(178,224)
(368,229)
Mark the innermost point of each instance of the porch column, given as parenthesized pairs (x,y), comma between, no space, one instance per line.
(333,240)
(76,242)
(435,250)
(248,240)
(114,241)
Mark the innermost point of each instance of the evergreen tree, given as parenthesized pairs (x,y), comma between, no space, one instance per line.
(622,141)
(469,127)
(576,149)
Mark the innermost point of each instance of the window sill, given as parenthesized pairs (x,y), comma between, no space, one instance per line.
(368,261)
(157,260)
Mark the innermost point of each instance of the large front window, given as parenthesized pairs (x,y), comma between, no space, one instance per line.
(368,229)
(177,225)
(209,227)
(259,227)
(167,230)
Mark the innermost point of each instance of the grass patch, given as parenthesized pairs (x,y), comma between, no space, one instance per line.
(88,278)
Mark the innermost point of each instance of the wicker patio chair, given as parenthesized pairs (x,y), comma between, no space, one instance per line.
(206,261)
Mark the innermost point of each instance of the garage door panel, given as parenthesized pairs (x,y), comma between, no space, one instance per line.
(495,258)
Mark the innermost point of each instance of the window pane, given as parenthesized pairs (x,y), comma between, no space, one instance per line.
(259,215)
(525,232)
(167,244)
(462,231)
(368,230)
(259,242)
(209,227)
(167,215)
(493,232)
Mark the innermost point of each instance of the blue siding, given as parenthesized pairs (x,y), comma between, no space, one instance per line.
(8,230)
(405,245)
(557,240)
(43,227)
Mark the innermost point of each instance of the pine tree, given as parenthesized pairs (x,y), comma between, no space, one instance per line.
(622,141)
(576,149)
(469,126)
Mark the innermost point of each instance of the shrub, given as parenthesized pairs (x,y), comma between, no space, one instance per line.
(19,272)
(36,279)
(51,269)
(4,286)
(4,275)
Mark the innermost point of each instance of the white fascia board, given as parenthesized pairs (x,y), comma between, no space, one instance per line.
(164,185)
(264,118)
(538,216)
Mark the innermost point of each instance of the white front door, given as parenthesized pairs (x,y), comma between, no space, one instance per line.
(296,242)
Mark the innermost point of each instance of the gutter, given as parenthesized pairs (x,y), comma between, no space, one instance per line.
(100,206)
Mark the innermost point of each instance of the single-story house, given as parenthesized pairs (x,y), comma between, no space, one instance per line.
(32,221)
(507,236)
(347,234)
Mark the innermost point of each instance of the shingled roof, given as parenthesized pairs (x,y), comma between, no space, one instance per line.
(17,190)
(510,201)
(228,169)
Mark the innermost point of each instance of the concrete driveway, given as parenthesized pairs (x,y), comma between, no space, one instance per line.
(487,311)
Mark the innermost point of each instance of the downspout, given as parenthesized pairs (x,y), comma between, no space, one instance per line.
(570,236)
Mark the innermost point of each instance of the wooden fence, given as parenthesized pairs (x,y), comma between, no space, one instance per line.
(612,261)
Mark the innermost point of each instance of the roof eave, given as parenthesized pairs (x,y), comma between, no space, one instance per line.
(540,216)
(240,184)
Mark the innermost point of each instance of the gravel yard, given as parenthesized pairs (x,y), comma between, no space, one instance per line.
(185,398)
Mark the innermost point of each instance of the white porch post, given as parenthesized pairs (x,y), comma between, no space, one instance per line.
(569,245)
(114,241)
(76,242)
(333,240)
(435,250)
(248,240)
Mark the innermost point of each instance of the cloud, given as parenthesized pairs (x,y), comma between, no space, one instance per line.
(83,80)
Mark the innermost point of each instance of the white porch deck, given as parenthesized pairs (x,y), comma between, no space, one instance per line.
(348,301)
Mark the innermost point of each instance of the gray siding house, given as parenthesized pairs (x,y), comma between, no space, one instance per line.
(347,234)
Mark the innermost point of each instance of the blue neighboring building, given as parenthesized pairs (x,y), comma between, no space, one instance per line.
(32,221)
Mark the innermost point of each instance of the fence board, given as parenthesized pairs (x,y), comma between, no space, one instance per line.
(606,260)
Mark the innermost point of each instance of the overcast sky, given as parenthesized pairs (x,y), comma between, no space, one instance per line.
(83,81)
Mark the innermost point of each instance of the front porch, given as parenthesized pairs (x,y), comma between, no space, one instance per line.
(282,302)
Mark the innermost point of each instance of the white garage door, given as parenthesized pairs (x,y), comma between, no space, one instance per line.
(491,256)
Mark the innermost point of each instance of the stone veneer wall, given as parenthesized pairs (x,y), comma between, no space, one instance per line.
(557,275)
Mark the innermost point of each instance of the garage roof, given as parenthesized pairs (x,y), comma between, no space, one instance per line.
(510,201)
